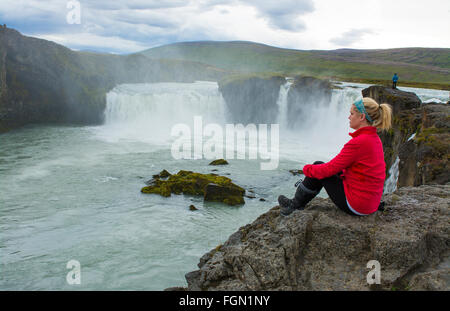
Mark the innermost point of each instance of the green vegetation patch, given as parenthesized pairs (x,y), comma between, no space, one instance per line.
(211,186)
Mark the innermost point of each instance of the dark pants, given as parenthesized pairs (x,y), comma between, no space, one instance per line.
(334,187)
(394,85)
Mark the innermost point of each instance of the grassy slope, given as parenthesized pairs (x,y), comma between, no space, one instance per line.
(415,66)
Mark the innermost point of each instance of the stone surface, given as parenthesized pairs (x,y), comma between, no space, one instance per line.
(322,248)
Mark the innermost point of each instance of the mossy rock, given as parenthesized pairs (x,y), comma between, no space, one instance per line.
(162,174)
(159,187)
(219,162)
(211,186)
(224,193)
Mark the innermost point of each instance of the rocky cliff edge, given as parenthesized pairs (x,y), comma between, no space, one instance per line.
(322,248)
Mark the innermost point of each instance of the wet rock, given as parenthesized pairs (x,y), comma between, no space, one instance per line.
(192,208)
(219,162)
(250,195)
(162,174)
(231,195)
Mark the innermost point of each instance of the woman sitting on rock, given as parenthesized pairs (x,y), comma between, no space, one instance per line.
(354,179)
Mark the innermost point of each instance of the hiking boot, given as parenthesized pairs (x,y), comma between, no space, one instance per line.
(302,197)
(287,205)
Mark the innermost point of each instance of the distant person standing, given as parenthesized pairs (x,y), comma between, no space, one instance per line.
(394,81)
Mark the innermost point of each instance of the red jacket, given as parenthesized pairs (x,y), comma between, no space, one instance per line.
(362,163)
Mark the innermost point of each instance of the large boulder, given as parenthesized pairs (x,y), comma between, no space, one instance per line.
(322,248)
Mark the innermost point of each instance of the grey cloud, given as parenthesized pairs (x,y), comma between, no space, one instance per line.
(133,4)
(150,18)
(283,14)
(145,22)
(351,36)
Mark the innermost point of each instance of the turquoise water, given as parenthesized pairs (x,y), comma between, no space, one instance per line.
(68,195)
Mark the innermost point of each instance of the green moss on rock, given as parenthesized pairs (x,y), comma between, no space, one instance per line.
(211,186)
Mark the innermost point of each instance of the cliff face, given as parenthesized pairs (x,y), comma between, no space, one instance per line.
(424,158)
(304,92)
(252,99)
(420,137)
(322,248)
(45,82)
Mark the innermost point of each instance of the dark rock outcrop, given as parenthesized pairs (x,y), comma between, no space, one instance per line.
(420,137)
(424,158)
(251,99)
(219,162)
(322,248)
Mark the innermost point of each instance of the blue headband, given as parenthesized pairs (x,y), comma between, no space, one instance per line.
(360,106)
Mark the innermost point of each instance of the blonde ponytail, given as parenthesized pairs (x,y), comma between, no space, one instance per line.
(381,115)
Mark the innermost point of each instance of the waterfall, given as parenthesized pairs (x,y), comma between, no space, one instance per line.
(282,104)
(149,111)
(391,183)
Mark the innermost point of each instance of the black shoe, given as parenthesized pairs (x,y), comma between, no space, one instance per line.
(302,197)
(287,206)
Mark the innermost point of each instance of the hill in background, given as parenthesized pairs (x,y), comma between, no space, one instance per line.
(426,67)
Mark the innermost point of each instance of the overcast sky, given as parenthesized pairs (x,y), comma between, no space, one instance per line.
(125,26)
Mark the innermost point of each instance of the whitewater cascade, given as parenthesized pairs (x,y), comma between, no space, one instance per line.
(282,104)
(149,111)
(391,183)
